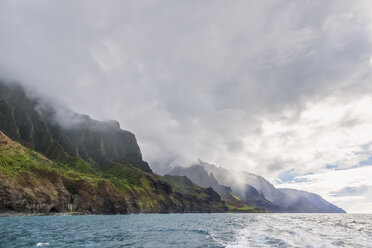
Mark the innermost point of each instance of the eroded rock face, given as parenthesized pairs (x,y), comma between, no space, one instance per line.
(47,192)
(38,126)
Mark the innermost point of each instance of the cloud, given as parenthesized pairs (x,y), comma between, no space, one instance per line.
(350,189)
(267,86)
(322,135)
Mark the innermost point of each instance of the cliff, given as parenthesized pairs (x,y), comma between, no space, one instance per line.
(63,135)
(202,178)
(32,183)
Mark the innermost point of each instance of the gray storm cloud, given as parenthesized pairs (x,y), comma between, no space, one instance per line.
(233,83)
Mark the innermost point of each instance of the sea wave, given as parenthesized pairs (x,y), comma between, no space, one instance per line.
(188,231)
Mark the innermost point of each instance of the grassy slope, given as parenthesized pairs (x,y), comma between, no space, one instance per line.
(18,162)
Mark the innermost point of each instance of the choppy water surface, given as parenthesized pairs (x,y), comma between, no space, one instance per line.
(188,230)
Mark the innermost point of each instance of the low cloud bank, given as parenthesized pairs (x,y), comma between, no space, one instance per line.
(266,86)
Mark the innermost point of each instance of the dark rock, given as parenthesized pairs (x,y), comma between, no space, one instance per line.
(41,127)
(47,192)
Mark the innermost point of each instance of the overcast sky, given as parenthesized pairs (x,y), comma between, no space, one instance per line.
(278,88)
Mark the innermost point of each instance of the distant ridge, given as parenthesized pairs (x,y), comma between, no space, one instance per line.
(256,191)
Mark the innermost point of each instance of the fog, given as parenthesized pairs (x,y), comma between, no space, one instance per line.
(270,87)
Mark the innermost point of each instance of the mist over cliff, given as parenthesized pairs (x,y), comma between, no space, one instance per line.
(255,190)
(63,134)
(277,88)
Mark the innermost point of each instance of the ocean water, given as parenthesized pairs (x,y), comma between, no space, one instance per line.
(188,230)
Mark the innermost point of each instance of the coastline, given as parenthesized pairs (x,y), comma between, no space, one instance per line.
(19,214)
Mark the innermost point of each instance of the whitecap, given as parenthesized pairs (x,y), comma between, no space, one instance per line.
(42,244)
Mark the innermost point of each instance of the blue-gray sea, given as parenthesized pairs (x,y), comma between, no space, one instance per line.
(188,230)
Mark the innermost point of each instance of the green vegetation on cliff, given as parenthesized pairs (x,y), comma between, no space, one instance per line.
(31,182)
(55,160)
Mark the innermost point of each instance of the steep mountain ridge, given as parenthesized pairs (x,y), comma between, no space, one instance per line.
(257,191)
(199,176)
(202,178)
(32,183)
(40,127)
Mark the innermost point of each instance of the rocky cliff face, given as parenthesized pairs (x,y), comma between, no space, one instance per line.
(201,177)
(204,179)
(59,195)
(64,135)
(31,183)
(247,194)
